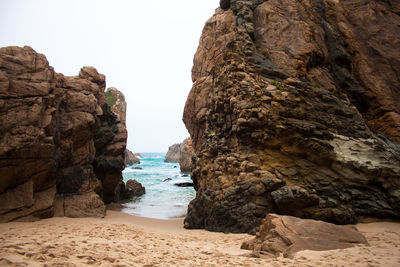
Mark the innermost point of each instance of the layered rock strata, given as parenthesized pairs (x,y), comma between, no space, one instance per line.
(295,110)
(59,141)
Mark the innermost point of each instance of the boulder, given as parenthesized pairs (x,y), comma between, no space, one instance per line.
(296,113)
(287,235)
(134,188)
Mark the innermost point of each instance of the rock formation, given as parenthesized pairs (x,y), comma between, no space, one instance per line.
(134,189)
(60,145)
(174,153)
(130,158)
(295,110)
(181,153)
(110,143)
(287,235)
(187,152)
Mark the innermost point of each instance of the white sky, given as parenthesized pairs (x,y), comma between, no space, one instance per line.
(145,49)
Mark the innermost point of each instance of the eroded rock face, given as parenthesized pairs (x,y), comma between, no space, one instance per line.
(131,158)
(49,145)
(187,152)
(287,235)
(110,142)
(295,112)
(134,188)
(182,153)
(174,153)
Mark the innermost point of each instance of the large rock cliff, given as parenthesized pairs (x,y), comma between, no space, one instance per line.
(60,144)
(295,109)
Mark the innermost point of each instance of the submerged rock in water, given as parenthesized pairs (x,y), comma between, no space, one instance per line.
(137,168)
(184,184)
(61,148)
(295,112)
(287,235)
(168,179)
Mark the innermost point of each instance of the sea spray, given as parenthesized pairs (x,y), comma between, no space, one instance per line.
(163,199)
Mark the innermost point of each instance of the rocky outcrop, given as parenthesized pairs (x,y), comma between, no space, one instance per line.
(287,235)
(181,153)
(295,110)
(187,152)
(130,158)
(174,153)
(57,136)
(110,142)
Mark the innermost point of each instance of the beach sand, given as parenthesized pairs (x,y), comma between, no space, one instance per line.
(124,240)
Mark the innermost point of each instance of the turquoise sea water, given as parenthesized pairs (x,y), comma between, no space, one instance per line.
(162,200)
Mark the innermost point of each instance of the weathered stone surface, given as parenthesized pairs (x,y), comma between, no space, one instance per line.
(174,153)
(187,152)
(295,112)
(110,143)
(287,235)
(217,33)
(48,145)
(130,158)
(134,188)
(182,153)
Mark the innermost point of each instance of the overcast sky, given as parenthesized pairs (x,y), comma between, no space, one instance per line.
(145,49)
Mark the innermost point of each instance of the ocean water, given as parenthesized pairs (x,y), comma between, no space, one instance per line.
(163,199)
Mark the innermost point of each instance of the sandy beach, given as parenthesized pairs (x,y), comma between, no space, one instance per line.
(125,240)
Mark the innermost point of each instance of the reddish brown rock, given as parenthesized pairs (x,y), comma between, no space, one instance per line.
(52,139)
(294,110)
(287,235)
(217,33)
